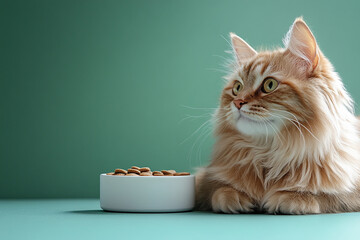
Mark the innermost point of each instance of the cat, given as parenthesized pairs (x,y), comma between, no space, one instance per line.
(286,137)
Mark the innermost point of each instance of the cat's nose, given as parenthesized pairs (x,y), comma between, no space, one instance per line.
(238,103)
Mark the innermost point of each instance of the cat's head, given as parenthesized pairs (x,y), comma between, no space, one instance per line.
(268,91)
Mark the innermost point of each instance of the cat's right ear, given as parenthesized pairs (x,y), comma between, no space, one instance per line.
(241,49)
(302,44)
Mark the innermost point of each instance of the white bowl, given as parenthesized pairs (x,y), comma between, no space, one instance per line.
(147,193)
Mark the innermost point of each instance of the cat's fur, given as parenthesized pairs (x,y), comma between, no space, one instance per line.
(295,150)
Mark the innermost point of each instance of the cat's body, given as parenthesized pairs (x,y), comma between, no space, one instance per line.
(287,139)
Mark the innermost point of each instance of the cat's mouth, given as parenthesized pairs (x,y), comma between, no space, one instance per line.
(245,116)
(256,124)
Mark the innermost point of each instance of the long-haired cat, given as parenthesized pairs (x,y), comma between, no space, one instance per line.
(287,139)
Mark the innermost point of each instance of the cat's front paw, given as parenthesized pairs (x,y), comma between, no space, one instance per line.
(228,200)
(292,203)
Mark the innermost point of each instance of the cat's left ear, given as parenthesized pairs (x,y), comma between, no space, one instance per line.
(301,42)
(241,49)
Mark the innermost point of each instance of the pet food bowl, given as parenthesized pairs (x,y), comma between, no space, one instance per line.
(147,193)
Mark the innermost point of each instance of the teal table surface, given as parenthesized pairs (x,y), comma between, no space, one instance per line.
(83,219)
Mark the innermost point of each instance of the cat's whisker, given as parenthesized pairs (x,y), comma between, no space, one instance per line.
(290,119)
(223,120)
(227,116)
(290,114)
(224,58)
(201,108)
(194,117)
(222,124)
(227,62)
(267,133)
(268,112)
(292,122)
(278,134)
(203,131)
(227,113)
(302,124)
(201,126)
(189,155)
(204,137)
(230,45)
(218,70)
(287,130)
(299,123)
(267,121)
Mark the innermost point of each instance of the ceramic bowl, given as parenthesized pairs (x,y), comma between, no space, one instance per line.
(147,193)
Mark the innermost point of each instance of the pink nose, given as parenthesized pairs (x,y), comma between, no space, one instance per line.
(238,103)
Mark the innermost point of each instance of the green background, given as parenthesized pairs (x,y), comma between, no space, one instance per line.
(89,86)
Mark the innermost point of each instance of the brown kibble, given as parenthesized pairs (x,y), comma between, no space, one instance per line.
(182,174)
(158,173)
(145,174)
(144,169)
(167,173)
(119,170)
(133,170)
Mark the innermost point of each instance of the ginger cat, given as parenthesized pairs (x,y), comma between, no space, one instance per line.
(287,139)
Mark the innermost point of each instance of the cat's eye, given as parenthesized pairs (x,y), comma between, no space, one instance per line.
(237,87)
(269,85)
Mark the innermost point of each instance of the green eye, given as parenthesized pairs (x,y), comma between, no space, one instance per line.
(269,85)
(237,88)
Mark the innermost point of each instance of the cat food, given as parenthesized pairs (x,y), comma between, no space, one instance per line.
(146,174)
(167,172)
(145,171)
(181,174)
(132,174)
(133,170)
(158,173)
(119,170)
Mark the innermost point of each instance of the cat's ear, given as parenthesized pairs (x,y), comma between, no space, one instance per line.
(301,42)
(241,49)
